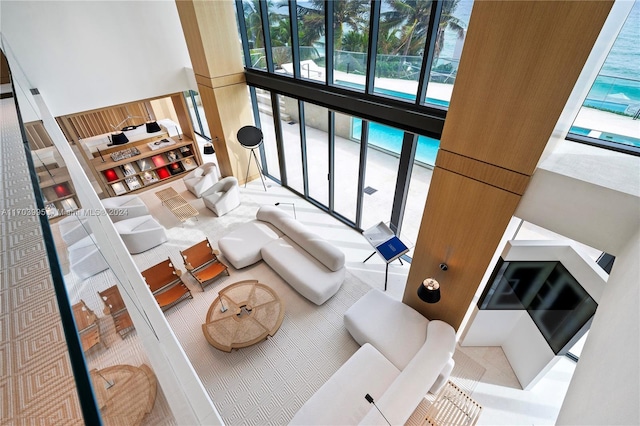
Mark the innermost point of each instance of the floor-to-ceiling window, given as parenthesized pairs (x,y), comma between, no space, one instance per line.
(350,41)
(316,124)
(401,41)
(347,165)
(610,114)
(451,32)
(292,147)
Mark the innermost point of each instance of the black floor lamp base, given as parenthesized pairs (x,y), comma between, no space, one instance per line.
(255,158)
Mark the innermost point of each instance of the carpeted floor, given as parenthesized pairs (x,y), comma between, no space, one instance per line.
(262,384)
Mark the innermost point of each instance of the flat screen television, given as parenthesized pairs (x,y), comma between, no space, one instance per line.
(558,305)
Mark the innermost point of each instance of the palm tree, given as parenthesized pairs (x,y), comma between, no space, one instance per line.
(447,20)
(350,13)
(411,20)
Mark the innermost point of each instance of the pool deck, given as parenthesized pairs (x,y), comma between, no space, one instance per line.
(589,118)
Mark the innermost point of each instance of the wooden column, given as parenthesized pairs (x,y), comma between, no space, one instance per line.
(212,39)
(520,62)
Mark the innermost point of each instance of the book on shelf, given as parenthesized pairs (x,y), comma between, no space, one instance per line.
(158,160)
(133,183)
(172,156)
(128,170)
(161,144)
(144,164)
(163,173)
(51,210)
(149,177)
(176,168)
(118,188)
(62,190)
(186,151)
(189,163)
(69,205)
(110,175)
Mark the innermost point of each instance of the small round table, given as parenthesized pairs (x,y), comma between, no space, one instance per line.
(124,393)
(242,315)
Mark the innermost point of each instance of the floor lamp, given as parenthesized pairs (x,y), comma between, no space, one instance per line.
(251,138)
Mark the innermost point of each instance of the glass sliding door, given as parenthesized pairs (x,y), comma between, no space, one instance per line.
(347,165)
(381,172)
(290,124)
(316,122)
(270,145)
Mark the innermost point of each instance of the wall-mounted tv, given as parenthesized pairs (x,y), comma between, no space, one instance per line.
(553,298)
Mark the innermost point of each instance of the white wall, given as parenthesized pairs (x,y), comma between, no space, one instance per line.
(605,388)
(84,55)
(593,196)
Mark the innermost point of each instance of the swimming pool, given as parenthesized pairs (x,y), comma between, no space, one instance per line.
(390,139)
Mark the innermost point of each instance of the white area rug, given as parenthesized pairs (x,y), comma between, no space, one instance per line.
(262,384)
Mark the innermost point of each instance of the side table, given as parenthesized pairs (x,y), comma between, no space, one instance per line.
(386,244)
(452,407)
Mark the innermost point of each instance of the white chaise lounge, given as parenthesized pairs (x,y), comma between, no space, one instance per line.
(403,356)
(310,264)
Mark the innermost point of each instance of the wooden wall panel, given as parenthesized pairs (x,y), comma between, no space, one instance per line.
(217,64)
(462,224)
(37,135)
(91,123)
(520,62)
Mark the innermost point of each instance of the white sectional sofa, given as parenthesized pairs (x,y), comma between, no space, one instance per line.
(403,356)
(307,262)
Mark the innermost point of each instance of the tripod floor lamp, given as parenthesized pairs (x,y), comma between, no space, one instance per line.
(251,138)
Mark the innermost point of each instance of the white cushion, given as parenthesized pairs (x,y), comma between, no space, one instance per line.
(328,254)
(198,172)
(302,271)
(340,400)
(395,329)
(409,388)
(241,247)
(75,227)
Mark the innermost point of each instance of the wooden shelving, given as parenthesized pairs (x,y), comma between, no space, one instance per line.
(173,158)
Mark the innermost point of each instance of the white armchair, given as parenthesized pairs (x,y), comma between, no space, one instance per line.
(141,233)
(124,207)
(223,196)
(201,179)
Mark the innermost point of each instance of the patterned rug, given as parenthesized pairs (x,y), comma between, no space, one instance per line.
(261,384)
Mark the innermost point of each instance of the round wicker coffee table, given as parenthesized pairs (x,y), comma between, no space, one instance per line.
(242,315)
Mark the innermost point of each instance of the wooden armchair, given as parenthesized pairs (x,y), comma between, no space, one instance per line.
(87,323)
(166,285)
(114,306)
(202,262)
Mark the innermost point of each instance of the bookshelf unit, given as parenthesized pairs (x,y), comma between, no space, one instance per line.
(167,162)
(58,192)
